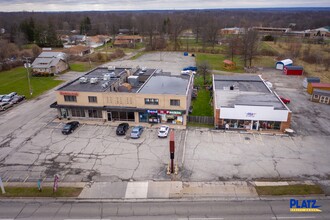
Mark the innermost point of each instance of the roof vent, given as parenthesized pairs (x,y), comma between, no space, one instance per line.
(106,76)
(93,80)
(111,68)
(83,80)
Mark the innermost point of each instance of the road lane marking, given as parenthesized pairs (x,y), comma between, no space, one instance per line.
(293,217)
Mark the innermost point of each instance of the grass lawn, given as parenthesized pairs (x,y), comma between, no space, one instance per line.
(79,66)
(201,105)
(15,80)
(194,124)
(46,192)
(216,62)
(288,190)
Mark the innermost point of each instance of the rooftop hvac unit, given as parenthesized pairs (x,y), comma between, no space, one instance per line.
(106,76)
(144,69)
(112,74)
(111,68)
(133,80)
(83,80)
(93,80)
(105,85)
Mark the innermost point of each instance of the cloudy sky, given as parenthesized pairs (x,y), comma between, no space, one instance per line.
(88,5)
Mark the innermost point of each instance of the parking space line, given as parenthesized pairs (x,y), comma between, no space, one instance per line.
(8,179)
(26,178)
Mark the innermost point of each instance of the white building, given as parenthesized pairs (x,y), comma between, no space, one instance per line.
(245,102)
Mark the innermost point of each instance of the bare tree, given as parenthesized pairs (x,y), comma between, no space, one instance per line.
(203,69)
(249,49)
(233,46)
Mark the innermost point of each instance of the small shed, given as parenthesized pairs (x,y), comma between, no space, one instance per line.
(293,70)
(308,80)
(229,65)
(281,64)
(321,96)
(321,86)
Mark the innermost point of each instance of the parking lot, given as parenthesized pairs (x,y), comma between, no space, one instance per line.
(32,145)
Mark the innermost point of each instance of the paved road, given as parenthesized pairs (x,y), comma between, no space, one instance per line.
(179,210)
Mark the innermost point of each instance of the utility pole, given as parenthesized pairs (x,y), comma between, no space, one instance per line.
(27,65)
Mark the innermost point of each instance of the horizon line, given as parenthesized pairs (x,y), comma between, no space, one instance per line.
(192,9)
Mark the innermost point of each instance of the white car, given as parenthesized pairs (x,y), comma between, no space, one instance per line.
(163,131)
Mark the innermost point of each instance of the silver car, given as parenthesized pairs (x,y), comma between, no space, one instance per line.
(136,132)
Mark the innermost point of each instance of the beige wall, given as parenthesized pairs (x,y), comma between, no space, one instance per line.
(123,99)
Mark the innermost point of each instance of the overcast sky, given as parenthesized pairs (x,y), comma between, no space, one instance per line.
(89,5)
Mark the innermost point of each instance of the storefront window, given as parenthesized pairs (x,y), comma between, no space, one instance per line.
(77,112)
(94,113)
(143,117)
(122,116)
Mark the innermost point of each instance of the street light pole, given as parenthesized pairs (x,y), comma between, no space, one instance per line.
(27,66)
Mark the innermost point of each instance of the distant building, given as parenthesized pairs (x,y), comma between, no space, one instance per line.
(97,41)
(78,50)
(319,32)
(320,86)
(321,96)
(272,30)
(50,63)
(281,64)
(233,30)
(293,70)
(127,40)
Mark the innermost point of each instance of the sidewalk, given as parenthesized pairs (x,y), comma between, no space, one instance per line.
(167,190)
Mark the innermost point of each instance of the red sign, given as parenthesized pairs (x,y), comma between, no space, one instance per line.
(69,93)
(162,112)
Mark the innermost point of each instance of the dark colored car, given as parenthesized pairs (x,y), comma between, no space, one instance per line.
(192,68)
(17,99)
(122,128)
(286,101)
(70,127)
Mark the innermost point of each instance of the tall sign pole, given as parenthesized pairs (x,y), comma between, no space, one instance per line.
(2,187)
(172,150)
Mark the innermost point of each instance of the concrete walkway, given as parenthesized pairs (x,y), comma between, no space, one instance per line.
(167,190)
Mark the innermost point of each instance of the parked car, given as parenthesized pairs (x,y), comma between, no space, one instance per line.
(5,105)
(136,132)
(70,127)
(285,100)
(1,96)
(17,99)
(163,131)
(192,68)
(9,97)
(122,128)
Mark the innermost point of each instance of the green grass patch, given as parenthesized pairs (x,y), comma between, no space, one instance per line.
(216,62)
(15,80)
(79,66)
(202,104)
(194,124)
(46,192)
(289,190)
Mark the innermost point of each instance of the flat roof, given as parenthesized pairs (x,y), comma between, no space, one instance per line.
(101,86)
(246,90)
(164,83)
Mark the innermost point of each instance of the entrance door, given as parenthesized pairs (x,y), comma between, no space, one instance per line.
(64,112)
(109,116)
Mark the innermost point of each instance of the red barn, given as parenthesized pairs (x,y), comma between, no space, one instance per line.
(293,70)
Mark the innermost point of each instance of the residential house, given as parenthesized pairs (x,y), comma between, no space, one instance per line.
(50,63)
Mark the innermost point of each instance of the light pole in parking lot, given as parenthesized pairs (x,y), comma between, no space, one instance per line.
(27,65)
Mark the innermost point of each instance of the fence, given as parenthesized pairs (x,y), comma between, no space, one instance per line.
(201,119)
